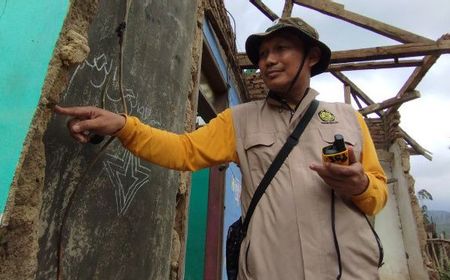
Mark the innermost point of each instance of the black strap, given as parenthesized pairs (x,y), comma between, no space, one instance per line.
(278,161)
(336,242)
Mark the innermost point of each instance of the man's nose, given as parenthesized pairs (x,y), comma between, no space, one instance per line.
(271,58)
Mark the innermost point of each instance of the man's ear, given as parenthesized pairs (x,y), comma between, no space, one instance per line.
(314,56)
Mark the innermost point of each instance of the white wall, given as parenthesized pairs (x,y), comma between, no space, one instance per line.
(397,225)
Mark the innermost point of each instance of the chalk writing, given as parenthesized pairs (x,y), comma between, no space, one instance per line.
(121,171)
(126,173)
(100,67)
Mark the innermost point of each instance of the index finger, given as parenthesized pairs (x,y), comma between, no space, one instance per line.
(77,111)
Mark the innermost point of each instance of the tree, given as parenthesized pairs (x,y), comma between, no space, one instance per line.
(423,194)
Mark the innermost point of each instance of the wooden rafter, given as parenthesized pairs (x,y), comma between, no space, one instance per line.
(264,9)
(396,51)
(338,11)
(427,154)
(347,94)
(418,73)
(367,54)
(389,103)
(245,63)
(355,89)
(414,79)
(355,97)
(287,10)
(374,65)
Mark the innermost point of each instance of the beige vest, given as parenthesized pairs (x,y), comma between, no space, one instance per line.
(290,234)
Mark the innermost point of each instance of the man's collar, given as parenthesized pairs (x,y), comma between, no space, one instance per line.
(275,100)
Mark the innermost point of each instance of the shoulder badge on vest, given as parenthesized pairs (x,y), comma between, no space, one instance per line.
(327,117)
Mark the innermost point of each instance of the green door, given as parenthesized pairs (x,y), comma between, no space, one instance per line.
(196,240)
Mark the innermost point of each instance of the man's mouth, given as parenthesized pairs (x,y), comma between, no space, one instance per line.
(273,73)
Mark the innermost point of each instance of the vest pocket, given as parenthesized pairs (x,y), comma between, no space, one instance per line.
(260,149)
(327,135)
(259,139)
(246,257)
(244,271)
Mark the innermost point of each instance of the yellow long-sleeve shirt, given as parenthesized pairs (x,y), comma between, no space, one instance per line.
(214,143)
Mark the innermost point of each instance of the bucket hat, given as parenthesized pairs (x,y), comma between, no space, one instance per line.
(306,32)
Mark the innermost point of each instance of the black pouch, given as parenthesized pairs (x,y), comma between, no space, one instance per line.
(233,246)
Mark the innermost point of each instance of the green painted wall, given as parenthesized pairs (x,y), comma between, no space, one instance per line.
(198,210)
(28,33)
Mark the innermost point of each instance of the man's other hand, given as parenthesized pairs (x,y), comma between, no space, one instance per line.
(344,179)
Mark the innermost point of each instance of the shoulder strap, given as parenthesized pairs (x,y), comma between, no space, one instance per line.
(278,161)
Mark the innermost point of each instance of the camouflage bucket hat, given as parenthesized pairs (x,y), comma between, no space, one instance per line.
(306,33)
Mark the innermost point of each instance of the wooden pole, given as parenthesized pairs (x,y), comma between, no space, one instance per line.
(287,11)
(347,94)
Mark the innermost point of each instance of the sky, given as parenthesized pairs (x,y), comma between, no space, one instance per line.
(424,119)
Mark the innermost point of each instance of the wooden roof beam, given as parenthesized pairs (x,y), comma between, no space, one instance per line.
(414,79)
(390,102)
(418,73)
(287,10)
(355,89)
(374,65)
(355,97)
(419,149)
(264,9)
(395,52)
(338,11)
(245,63)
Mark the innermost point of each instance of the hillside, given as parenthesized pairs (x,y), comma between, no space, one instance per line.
(442,220)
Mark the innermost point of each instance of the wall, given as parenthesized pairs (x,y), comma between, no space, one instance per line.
(405,195)
(389,228)
(397,223)
(27,43)
(120,222)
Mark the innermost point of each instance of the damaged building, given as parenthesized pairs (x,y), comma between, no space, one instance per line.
(95,211)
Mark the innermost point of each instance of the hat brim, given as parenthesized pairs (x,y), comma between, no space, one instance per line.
(254,42)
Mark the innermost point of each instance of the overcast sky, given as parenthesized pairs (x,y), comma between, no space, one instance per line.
(425,119)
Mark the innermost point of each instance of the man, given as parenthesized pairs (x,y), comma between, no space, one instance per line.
(310,223)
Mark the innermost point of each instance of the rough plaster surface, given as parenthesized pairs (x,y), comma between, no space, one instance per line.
(76,50)
(182,205)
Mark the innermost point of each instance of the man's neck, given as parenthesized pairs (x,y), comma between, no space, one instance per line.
(296,96)
(291,101)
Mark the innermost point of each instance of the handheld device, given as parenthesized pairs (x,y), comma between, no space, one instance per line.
(337,152)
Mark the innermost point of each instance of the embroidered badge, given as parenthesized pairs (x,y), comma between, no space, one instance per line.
(327,117)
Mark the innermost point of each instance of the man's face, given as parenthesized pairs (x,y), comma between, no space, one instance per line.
(280,57)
